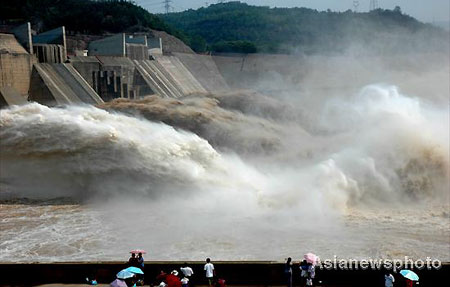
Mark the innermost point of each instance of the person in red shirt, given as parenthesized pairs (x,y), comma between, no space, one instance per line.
(172,279)
(221,283)
(161,277)
(409,283)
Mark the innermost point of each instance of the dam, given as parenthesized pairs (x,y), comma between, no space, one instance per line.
(120,66)
(128,140)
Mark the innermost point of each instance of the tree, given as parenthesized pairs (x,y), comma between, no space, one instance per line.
(244,47)
(198,44)
(239,27)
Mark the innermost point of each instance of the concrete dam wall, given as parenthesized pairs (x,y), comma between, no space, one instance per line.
(15,70)
(183,78)
(158,79)
(59,84)
(258,71)
(99,78)
(166,76)
(92,80)
(204,70)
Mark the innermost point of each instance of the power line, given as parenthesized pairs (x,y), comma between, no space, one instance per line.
(154,4)
(355,6)
(149,2)
(373,5)
(167,6)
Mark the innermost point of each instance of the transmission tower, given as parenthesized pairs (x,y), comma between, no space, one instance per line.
(355,6)
(373,5)
(167,5)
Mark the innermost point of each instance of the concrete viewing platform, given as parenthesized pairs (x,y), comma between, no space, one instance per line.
(244,273)
(107,285)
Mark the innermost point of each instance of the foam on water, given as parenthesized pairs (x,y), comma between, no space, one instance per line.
(188,198)
(85,151)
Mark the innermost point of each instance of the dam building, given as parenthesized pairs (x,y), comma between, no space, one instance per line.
(45,68)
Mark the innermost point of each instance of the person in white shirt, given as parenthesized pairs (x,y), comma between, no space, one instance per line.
(312,271)
(186,270)
(184,282)
(209,268)
(388,280)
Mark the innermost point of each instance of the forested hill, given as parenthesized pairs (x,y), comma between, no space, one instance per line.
(238,27)
(85,16)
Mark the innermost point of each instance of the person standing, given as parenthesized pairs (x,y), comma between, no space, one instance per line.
(309,281)
(133,261)
(209,270)
(185,282)
(221,283)
(288,271)
(303,272)
(187,272)
(311,271)
(161,278)
(172,279)
(388,280)
(140,260)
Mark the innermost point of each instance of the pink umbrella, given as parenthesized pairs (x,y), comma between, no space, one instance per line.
(137,251)
(311,258)
(118,283)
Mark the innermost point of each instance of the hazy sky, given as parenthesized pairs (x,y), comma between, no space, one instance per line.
(424,10)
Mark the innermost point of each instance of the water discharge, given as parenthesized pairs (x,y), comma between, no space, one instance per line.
(204,175)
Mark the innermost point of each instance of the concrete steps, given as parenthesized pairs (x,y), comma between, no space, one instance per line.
(181,75)
(55,86)
(61,84)
(204,69)
(158,79)
(166,78)
(152,79)
(78,84)
(169,77)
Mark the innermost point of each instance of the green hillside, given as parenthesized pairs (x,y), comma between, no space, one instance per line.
(238,27)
